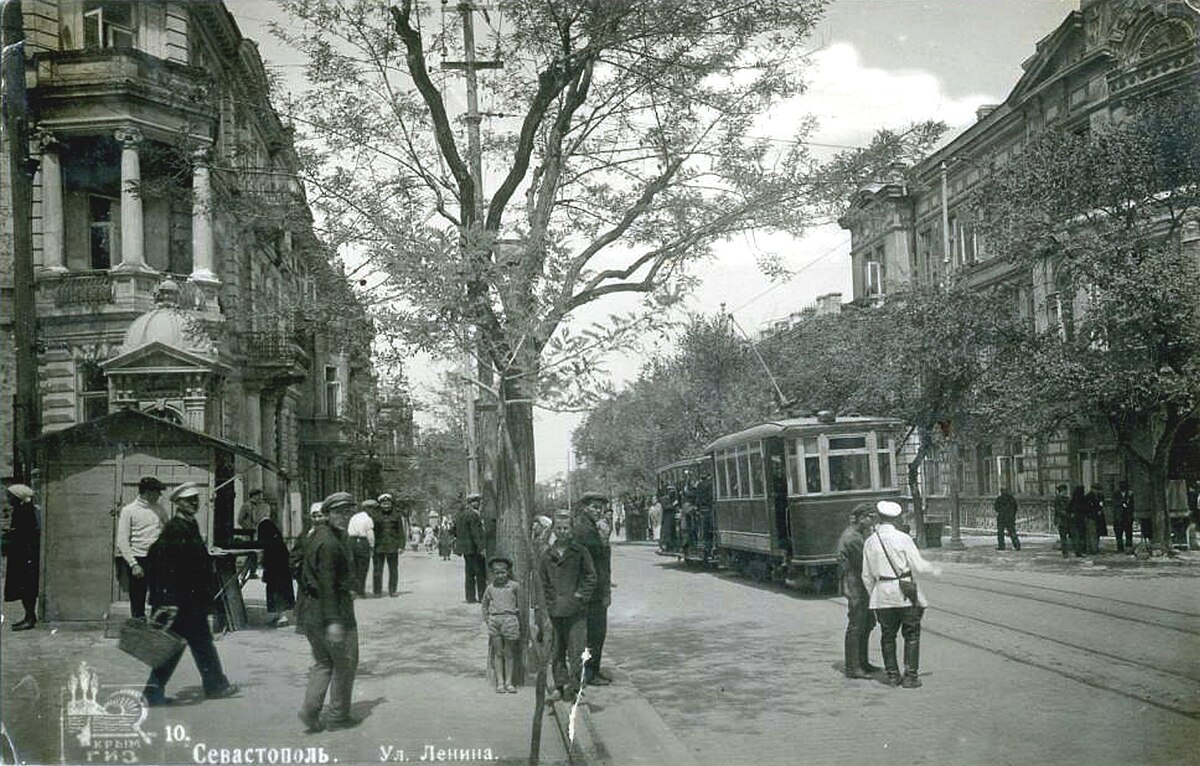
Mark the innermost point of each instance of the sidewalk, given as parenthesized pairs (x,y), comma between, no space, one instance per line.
(1041,551)
(420,690)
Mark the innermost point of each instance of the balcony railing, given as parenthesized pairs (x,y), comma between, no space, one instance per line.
(270,348)
(84,289)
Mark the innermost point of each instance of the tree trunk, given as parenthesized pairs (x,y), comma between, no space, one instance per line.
(914,488)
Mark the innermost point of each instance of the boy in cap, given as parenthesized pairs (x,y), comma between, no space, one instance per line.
(138,527)
(504,629)
(181,590)
(890,556)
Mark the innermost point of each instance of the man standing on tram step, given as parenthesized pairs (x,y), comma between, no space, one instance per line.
(859,619)
(138,527)
(889,556)
(182,585)
(468,527)
(1006,519)
(361,530)
(589,533)
(326,615)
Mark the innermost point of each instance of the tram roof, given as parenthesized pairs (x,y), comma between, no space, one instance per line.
(795,426)
(685,463)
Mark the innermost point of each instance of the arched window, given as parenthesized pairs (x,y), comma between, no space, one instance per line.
(1163,36)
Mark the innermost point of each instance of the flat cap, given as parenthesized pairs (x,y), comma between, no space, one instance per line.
(888,508)
(863,509)
(21,492)
(338,501)
(368,504)
(150,484)
(185,490)
(474,496)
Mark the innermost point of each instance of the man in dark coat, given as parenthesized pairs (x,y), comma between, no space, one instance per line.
(1123,518)
(588,533)
(389,541)
(326,616)
(568,581)
(1062,518)
(472,544)
(1077,511)
(859,618)
(182,585)
(22,548)
(1006,519)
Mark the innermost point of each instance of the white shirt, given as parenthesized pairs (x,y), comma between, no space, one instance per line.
(885,594)
(138,526)
(362,525)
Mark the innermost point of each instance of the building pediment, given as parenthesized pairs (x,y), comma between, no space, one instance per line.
(1055,53)
(157,358)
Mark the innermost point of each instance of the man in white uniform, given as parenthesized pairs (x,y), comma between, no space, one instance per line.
(891,558)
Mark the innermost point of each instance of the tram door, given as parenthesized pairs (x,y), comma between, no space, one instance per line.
(777,493)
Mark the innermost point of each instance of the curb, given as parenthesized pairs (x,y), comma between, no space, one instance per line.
(618,725)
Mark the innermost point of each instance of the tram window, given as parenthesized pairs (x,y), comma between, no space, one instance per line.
(719,484)
(849,472)
(743,464)
(887,479)
(812,474)
(735,488)
(756,472)
(793,469)
(847,442)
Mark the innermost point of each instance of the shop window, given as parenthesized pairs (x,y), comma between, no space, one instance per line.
(108,24)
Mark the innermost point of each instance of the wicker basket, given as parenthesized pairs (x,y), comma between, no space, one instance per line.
(153,644)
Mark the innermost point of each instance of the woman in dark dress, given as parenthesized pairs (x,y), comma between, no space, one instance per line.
(22,548)
(277,574)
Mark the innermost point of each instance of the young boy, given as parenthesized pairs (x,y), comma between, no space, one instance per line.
(500,614)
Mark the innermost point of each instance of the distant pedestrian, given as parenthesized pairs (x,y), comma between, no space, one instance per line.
(591,532)
(22,550)
(1123,518)
(1094,521)
(500,615)
(138,526)
(859,618)
(1006,519)
(1062,518)
(568,582)
(445,538)
(389,542)
(361,530)
(255,509)
(1077,510)
(277,575)
(890,557)
(326,615)
(468,528)
(182,592)
(654,519)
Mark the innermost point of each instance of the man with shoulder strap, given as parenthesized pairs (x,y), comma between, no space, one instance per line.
(889,557)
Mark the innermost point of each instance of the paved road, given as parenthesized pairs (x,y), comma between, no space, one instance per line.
(1058,663)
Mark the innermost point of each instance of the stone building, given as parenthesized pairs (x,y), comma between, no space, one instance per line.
(912,227)
(175,266)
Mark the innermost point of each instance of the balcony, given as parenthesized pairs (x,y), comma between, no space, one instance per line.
(272,356)
(89,289)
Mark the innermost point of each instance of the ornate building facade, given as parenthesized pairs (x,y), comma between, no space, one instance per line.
(913,227)
(175,268)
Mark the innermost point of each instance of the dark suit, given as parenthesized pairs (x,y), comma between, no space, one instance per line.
(472,544)
(389,540)
(859,618)
(586,534)
(568,580)
(181,575)
(326,596)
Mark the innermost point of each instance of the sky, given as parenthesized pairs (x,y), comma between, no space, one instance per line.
(876,64)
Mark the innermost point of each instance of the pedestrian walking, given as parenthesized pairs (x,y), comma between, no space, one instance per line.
(592,533)
(568,582)
(361,530)
(1006,519)
(1062,519)
(654,519)
(182,592)
(1123,518)
(277,574)
(22,550)
(890,563)
(500,615)
(1077,510)
(389,541)
(859,618)
(138,526)
(446,538)
(255,509)
(326,615)
(468,528)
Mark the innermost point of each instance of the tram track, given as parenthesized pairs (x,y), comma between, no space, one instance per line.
(1106,599)
(949,580)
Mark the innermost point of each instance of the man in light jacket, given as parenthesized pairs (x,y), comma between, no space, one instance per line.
(138,527)
(890,556)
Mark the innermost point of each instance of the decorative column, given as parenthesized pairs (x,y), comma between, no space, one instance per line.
(133,254)
(202,220)
(52,204)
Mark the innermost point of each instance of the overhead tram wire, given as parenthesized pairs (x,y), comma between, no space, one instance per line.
(790,279)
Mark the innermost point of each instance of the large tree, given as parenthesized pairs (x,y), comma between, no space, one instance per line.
(1108,224)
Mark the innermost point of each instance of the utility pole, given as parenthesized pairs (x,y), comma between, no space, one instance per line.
(469,66)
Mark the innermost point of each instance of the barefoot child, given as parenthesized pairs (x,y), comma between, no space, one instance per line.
(500,614)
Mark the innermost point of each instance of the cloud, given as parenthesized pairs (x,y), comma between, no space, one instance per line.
(851,101)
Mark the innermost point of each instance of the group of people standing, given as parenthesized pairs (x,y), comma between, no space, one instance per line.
(1081,521)
(878,564)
